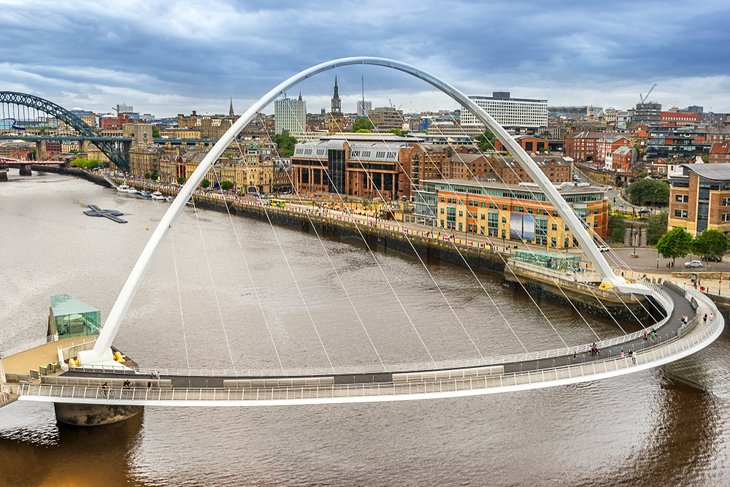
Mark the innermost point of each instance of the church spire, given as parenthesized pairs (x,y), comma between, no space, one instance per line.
(336,106)
(230,110)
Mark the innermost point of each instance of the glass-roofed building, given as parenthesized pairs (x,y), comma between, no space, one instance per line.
(70,317)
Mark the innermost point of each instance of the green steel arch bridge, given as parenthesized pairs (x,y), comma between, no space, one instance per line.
(34,119)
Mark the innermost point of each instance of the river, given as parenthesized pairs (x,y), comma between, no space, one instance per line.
(635,430)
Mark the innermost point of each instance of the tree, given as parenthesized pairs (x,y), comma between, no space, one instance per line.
(675,243)
(181,180)
(363,131)
(710,243)
(205,183)
(398,132)
(485,141)
(155,131)
(85,163)
(617,228)
(362,123)
(656,226)
(154,176)
(284,144)
(648,192)
(226,185)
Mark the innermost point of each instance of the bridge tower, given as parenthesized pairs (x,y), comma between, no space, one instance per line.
(40,150)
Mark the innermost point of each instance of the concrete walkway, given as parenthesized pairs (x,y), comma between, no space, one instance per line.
(669,330)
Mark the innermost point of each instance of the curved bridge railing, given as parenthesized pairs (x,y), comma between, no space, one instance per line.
(413,386)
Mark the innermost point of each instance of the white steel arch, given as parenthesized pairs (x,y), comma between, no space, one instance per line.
(102,349)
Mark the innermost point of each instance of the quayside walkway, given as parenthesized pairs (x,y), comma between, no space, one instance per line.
(500,374)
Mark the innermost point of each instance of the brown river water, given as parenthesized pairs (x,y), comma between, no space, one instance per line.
(635,430)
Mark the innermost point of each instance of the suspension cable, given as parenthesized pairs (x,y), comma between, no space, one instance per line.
(179,298)
(248,271)
(212,281)
(329,257)
(382,271)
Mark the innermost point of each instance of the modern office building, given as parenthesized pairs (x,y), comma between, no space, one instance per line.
(647,113)
(509,112)
(386,118)
(699,198)
(366,166)
(290,115)
(510,211)
(685,142)
(363,107)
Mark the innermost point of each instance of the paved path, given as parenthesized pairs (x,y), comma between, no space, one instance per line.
(682,307)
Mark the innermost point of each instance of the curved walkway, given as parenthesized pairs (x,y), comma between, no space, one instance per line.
(175,390)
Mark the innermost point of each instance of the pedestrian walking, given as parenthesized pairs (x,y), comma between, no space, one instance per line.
(704,319)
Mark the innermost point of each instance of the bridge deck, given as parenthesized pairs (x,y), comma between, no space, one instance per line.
(18,364)
(210,390)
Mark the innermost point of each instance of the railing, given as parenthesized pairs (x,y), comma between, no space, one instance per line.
(661,296)
(517,379)
(66,353)
(27,346)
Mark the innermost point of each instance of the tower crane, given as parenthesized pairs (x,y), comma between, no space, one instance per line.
(644,98)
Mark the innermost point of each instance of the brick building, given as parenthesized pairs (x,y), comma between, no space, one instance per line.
(510,212)
(699,199)
(620,160)
(671,118)
(529,143)
(720,152)
(365,166)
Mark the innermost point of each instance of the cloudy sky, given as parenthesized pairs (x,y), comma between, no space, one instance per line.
(177,56)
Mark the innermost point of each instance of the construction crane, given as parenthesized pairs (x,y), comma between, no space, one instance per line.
(644,98)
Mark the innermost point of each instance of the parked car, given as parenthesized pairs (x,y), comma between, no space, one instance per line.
(693,264)
(712,258)
(603,248)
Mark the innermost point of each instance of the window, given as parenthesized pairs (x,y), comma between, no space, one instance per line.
(683,214)
(683,198)
(726,202)
(554,227)
(726,217)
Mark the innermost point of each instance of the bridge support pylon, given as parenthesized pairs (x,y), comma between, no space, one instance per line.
(3,175)
(25,170)
(93,414)
(40,150)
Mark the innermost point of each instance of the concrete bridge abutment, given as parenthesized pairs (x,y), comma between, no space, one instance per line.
(40,150)
(93,414)
(25,170)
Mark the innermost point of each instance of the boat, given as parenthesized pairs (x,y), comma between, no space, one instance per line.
(144,194)
(122,188)
(131,190)
(158,196)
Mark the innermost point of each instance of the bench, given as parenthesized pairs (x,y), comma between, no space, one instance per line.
(448,374)
(279,382)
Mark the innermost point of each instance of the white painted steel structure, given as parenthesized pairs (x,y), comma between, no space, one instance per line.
(699,336)
(102,349)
